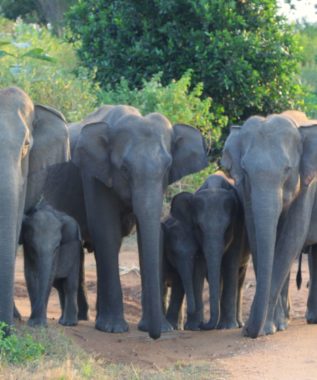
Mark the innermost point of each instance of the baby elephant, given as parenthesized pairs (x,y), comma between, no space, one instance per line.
(182,263)
(214,216)
(53,256)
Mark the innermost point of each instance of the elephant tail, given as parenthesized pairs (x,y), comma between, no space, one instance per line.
(299,272)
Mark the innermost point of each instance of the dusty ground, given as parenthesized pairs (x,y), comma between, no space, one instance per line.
(287,355)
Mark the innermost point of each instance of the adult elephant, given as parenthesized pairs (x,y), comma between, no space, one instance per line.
(121,164)
(33,138)
(274,163)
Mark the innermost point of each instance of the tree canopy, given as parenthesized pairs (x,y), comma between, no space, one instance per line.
(245,54)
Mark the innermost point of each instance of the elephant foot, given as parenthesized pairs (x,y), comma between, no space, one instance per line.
(282,324)
(37,322)
(68,321)
(228,324)
(192,325)
(165,325)
(210,325)
(269,328)
(249,332)
(311,317)
(173,322)
(112,324)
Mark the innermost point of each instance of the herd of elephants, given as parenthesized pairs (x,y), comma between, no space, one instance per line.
(87,184)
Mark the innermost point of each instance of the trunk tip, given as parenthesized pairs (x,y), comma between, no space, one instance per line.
(155,334)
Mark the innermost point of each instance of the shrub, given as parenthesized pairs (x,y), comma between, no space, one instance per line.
(242,51)
(18,349)
(54,83)
(177,101)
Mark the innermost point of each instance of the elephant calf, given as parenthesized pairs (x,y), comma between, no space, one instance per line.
(182,263)
(213,217)
(53,256)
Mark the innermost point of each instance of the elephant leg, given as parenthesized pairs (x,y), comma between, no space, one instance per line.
(82,294)
(144,323)
(281,312)
(311,313)
(194,321)
(104,223)
(230,279)
(16,313)
(38,310)
(174,311)
(70,313)
(59,286)
(290,241)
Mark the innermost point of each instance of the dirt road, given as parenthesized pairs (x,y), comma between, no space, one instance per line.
(284,356)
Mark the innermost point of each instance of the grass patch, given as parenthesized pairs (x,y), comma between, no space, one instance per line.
(55,356)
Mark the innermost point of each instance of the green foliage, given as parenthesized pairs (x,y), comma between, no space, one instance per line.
(177,101)
(307,37)
(45,67)
(18,349)
(242,51)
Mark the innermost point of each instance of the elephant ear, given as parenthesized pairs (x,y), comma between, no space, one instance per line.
(181,207)
(92,154)
(308,164)
(188,150)
(231,153)
(50,147)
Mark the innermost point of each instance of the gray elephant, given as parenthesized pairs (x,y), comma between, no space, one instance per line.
(53,256)
(33,138)
(274,163)
(184,271)
(214,215)
(121,165)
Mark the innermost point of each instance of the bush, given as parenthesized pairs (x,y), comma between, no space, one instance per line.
(177,101)
(52,82)
(16,349)
(242,51)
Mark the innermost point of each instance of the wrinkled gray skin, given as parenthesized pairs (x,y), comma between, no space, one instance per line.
(121,165)
(32,139)
(53,256)
(274,161)
(184,271)
(214,215)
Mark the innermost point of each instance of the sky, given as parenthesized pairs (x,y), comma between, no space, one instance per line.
(305,9)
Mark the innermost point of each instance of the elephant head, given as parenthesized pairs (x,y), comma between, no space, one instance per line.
(136,158)
(180,245)
(32,139)
(272,160)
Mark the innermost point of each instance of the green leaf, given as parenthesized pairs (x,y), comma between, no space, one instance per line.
(3,43)
(38,53)
(4,53)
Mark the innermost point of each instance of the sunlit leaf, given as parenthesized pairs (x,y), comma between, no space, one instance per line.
(38,53)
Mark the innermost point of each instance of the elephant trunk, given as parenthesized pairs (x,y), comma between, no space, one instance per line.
(186,272)
(266,209)
(147,206)
(45,281)
(9,230)
(213,251)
